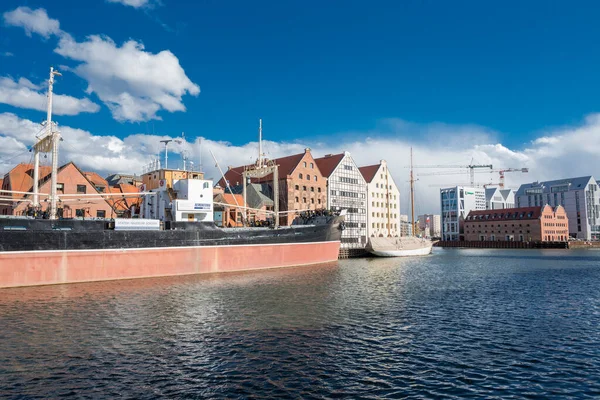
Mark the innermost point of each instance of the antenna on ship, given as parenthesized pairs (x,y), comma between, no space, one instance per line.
(260,153)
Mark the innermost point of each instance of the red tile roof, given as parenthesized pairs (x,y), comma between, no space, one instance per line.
(228,198)
(328,163)
(368,172)
(286,166)
(96,179)
(20,177)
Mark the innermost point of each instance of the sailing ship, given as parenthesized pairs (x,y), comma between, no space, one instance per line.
(175,233)
(403,246)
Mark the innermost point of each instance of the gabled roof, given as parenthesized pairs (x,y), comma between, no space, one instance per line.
(286,167)
(368,172)
(574,184)
(96,179)
(21,177)
(328,163)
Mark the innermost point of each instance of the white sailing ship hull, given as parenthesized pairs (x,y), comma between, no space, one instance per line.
(402,252)
(399,247)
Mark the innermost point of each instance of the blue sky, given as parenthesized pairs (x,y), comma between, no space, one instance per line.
(316,69)
(510,83)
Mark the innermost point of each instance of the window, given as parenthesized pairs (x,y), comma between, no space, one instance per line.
(101,214)
(307,177)
(60,187)
(304,199)
(303,187)
(304,164)
(312,201)
(319,201)
(100,189)
(80,212)
(81,188)
(315,178)
(296,199)
(297,187)
(312,165)
(300,176)
(312,188)
(319,190)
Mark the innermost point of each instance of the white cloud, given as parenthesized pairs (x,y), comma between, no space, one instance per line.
(7,54)
(561,157)
(33,21)
(132,3)
(24,94)
(133,83)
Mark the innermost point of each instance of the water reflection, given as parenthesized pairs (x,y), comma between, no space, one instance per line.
(458,323)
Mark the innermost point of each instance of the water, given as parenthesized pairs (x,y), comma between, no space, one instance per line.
(460,323)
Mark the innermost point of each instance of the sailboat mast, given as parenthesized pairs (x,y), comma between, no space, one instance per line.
(412,194)
(387,195)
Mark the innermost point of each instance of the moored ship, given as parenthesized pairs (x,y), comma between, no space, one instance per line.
(174,233)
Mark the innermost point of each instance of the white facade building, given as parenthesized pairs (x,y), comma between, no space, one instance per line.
(579,197)
(346,190)
(456,202)
(430,225)
(497,199)
(383,201)
(405,226)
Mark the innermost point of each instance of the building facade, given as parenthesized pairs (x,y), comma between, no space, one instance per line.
(406,228)
(301,184)
(497,199)
(383,201)
(579,197)
(71,181)
(525,224)
(456,202)
(346,190)
(430,225)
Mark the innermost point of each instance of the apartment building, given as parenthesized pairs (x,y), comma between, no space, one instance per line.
(346,189)
(579,197)
(497,199)
(383,201)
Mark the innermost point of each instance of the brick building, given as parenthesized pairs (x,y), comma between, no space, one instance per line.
(70,181)
(301,184)
(525,224)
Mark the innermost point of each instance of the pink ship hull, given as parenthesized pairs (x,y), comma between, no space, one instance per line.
(32,268)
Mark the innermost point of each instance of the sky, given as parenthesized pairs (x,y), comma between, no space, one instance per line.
(509,83)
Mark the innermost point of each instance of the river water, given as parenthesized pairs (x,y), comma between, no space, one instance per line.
(459,323)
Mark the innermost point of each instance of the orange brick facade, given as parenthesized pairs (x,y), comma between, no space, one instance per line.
(306,187)
(71,181)
(527,224)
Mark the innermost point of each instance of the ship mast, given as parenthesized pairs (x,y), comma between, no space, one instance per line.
(387,195)
(55,140)
(412,194)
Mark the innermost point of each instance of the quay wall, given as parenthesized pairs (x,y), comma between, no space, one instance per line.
(488,244)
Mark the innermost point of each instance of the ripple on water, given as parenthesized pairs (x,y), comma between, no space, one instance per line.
(461,323)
